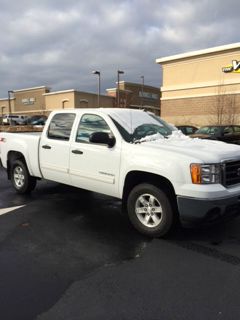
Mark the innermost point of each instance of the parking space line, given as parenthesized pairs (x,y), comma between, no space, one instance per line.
(7,210)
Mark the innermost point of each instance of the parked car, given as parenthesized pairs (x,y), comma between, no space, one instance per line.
(226,133)
(13,119)
(36,120)
(187,130)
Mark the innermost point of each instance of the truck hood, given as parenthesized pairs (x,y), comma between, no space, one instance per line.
(203,150)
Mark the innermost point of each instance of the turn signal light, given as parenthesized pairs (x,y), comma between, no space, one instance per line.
(196,173)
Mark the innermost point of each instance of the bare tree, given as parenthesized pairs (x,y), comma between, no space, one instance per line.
(224,110)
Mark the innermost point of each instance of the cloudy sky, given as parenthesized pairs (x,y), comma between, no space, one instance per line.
(58,43)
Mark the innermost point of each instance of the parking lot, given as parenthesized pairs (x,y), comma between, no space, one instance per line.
(70,254)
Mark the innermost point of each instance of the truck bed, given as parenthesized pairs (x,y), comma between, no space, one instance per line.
(25,128)
(22,141)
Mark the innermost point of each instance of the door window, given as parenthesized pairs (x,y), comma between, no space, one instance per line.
(88,124)
(60,126)
(237,129)
(227,131)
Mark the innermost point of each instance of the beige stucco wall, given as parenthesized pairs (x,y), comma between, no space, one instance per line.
(199,72)
(30,101)
(60,100)
(4,105)
(26,102)
(194,85)
(75,99)
(90,100)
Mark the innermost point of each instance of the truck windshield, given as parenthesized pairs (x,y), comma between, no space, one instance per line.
(141,126)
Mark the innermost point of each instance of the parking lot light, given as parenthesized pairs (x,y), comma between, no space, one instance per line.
(9,101)
(98,73)
(118,78)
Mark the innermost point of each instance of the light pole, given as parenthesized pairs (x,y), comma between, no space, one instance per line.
(118,95)
(63,102)
(2,108)
(99,84)
(142,77)
(9,101)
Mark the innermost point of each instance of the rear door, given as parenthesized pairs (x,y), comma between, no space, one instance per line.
(54,148)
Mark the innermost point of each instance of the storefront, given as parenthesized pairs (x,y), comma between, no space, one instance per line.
(137,96)
(41,100)
(202,87)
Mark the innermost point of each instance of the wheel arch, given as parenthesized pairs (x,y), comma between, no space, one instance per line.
(135,178)
(11,157)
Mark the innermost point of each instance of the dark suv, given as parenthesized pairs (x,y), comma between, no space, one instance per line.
(226,133)
(187,129)
(36,120)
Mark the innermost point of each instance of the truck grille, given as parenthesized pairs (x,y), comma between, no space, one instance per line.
(231,173)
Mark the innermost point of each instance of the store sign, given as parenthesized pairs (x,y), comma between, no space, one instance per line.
(148,95)
(234,67)
(28,101)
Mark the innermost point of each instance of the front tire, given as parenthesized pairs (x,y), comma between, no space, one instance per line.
(149,210)
(21,180)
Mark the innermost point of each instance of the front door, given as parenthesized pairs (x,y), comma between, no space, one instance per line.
(93,166)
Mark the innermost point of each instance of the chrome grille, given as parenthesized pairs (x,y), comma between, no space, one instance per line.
(231,173)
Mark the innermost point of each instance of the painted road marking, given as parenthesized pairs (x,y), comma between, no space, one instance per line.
(6,210)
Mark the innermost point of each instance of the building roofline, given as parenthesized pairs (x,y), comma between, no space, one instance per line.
(57,92)
(199,52)
(33,88)
(137,84)
(132,83)
(6,99)
(74,90)
(115,90)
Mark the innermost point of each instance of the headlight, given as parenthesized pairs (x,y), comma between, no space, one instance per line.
(205,173)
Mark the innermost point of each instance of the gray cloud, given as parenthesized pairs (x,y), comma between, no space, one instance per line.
(59,42)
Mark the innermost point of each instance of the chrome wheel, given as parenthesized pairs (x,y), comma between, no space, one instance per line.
(19,177)
(21,180)
(148,210)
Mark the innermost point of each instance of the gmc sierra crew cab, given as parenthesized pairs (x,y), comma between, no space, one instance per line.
(160,174)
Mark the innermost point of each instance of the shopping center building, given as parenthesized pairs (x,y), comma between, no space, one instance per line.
(201,87)
(198,88)
(41,100)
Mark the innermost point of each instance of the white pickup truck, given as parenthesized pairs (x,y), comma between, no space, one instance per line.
(160,175)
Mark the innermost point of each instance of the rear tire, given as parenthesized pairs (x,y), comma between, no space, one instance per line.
(21,180)
(150,210)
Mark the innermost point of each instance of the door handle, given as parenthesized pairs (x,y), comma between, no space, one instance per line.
(46,147)
(77,151)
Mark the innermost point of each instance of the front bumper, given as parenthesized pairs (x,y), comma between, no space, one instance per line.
(206,211)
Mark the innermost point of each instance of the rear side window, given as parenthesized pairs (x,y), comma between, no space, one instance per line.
(60,126)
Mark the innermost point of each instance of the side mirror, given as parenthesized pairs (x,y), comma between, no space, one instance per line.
(102,138)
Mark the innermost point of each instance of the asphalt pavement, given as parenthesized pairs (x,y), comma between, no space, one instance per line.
(69,254)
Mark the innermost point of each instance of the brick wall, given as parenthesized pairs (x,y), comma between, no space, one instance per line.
(200,110)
